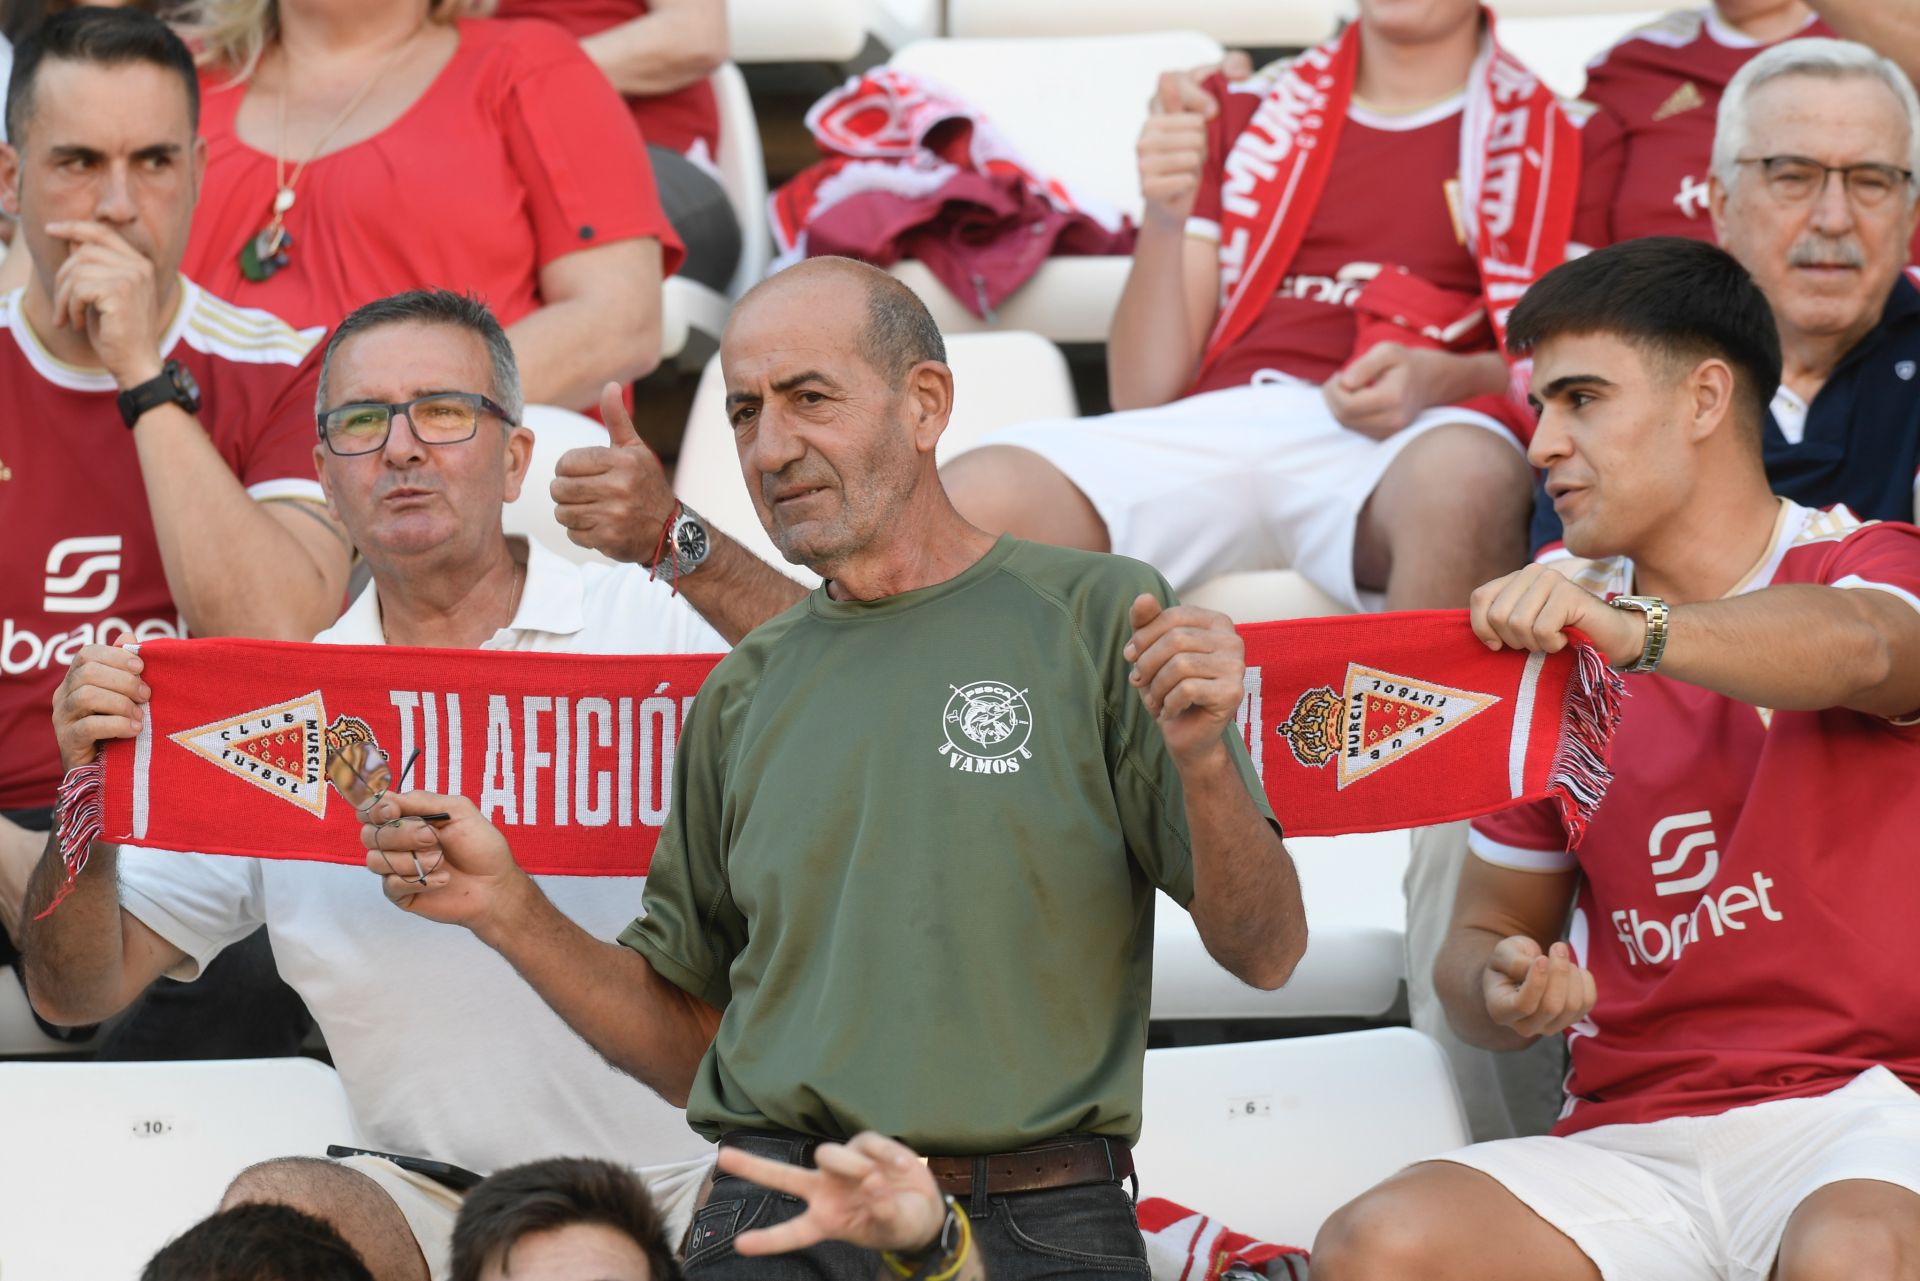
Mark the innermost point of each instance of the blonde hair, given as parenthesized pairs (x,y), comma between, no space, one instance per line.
(235,33)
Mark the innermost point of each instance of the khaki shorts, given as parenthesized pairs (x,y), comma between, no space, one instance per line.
(430,1208)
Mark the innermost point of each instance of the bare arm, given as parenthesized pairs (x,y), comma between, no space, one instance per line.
(1794,647)
(670,47)
(1171,297)
(1889,27)
(1506,925)
(1800,647)
(1190,669)
(290,583)
(599,319)
(638,1021)
(90,957)
(615,499)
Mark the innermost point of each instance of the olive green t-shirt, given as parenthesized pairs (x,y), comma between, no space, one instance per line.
(912,855)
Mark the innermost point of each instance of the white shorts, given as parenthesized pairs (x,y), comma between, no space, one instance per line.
(1707,1198)
(430,1208)
(1255,477)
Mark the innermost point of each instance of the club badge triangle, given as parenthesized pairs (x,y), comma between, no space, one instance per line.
(1377,718)
(280,749)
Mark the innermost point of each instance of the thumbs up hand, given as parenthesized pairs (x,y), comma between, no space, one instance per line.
(1172,150)
(613,498)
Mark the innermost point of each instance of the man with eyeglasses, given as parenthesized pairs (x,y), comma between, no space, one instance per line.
(444,1052)
(1813,191)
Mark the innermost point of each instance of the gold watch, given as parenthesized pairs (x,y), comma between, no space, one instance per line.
(1655,647)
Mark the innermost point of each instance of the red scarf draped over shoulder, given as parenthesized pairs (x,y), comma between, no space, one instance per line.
(1519,171)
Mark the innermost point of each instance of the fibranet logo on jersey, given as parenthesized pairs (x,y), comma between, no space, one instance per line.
(83,577)
(1672,847)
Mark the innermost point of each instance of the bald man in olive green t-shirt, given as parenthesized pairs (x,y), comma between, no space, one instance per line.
(918,819)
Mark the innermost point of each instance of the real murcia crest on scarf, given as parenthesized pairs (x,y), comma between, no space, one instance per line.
(987,725)
(281,749)
(1375,720)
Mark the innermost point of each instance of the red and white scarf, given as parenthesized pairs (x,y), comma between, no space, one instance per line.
(1365,723)
(1519,171)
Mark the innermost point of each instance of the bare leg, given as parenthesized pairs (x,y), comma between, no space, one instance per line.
(1449,515)
(1856,1230)
(1004,489)
(1444,1222)
(354,1205)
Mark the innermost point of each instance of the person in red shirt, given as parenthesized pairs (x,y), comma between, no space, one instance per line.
(156,460)
(1736,984)
(358,150)
(1302,444)
(659,55)
(1650,102)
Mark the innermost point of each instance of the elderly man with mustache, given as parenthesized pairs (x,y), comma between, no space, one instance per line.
(1813,190)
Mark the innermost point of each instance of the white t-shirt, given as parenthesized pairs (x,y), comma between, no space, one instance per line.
(444,1051)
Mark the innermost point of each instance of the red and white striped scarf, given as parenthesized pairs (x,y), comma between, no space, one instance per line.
(1519,171)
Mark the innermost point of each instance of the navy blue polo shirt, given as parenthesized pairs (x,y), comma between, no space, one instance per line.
(1862,440)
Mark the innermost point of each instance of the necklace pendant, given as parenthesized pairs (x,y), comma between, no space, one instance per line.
(283,200)
(265,254)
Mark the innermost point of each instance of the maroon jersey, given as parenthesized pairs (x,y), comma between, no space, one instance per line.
(1646,145)
(1744,904)
(79,564)
(1389,201)
(682,120)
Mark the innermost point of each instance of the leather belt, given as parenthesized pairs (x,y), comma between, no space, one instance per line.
(1062,1163)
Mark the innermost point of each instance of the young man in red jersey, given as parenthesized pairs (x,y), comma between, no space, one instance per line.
(1736,983)
(1649,105)
(1305,358)
(156,457)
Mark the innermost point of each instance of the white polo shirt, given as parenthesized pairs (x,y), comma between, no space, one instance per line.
(444,1051)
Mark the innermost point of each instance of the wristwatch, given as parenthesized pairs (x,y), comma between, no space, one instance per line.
(1655,647)
(940,1257)
(687,544)
(173,385)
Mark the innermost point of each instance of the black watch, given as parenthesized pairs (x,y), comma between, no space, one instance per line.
(172,385)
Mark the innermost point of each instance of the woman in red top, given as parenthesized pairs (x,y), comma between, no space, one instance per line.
(659,53)
(356,148)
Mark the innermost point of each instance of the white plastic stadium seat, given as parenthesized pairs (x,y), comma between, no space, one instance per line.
(555,431)
(1558,38)
(1073,108)
(785,31)
(686,306)
(998,379)
(1239,24)
(1270,1137)
(107,1162)
(900,22)
(1356,928)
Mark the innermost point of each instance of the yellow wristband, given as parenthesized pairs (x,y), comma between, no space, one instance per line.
(958,1259)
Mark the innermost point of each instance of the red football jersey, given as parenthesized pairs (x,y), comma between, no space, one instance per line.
(1746,884)
(517,154)
(1645,147)
(79,564)
(681,120)
(1390,200)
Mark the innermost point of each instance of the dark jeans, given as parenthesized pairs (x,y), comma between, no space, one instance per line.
(697,207)
(1061,1233)
(239,1008)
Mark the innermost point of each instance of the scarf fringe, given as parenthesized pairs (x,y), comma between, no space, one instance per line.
(81,794)
(1578,780)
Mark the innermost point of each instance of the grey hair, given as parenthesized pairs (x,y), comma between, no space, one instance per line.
(433,307)
(1812,56)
